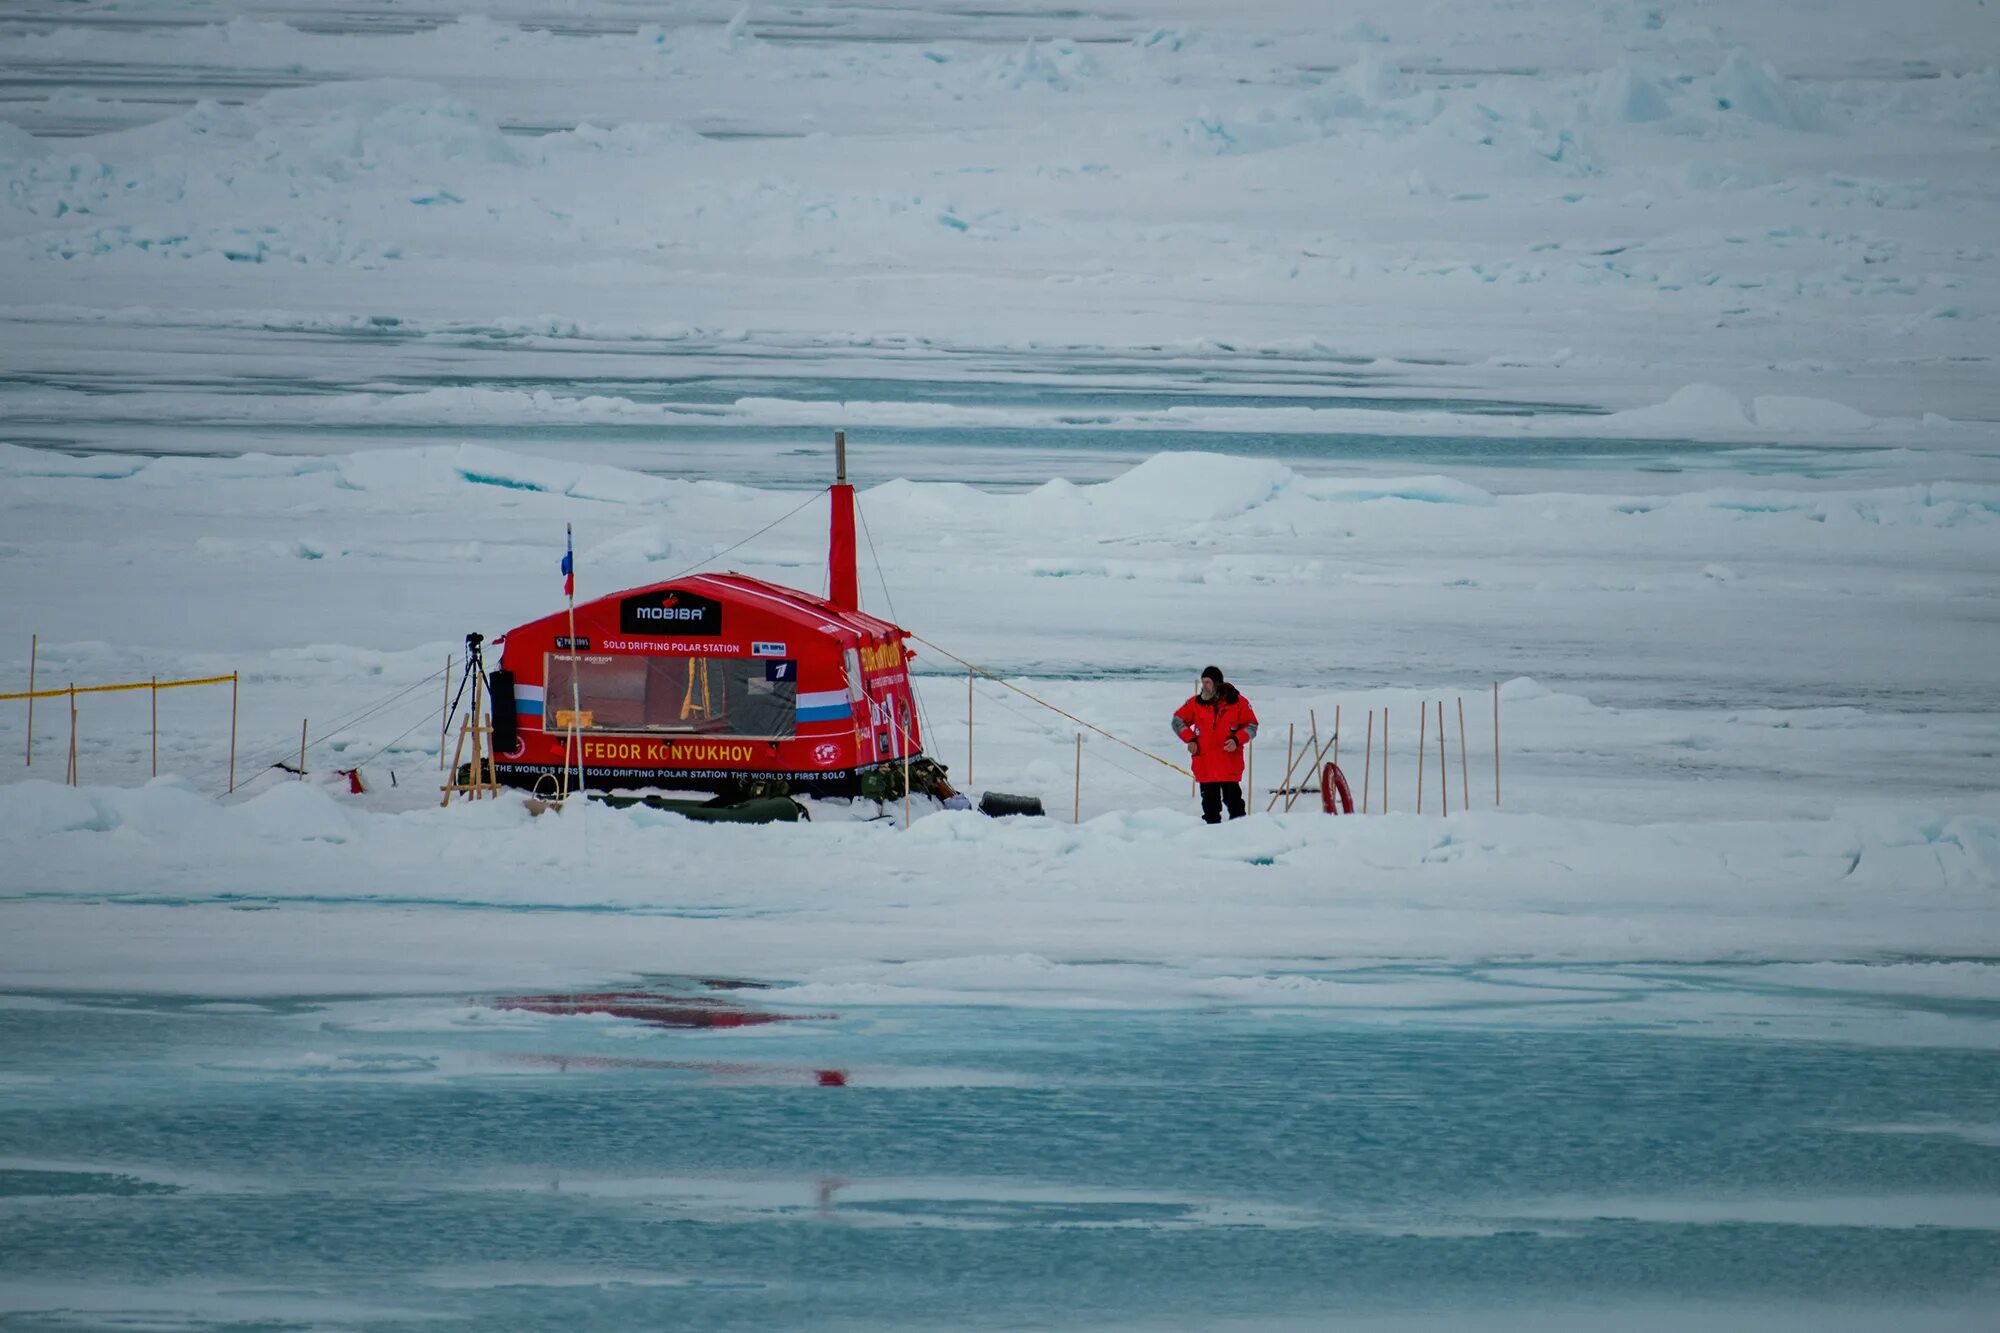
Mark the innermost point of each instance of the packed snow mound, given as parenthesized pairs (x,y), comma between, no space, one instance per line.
(331,243)
(1624,97)
(1696,409)
(386,124)
(1749,86)
(631,139)
(435,470)
(1384,127)
(16,461)
(1376,81)
(1706,410)
(298,812)
(362,98)
(38,809)
(1939,862)
(1781,412)
(1194,487)
(1162,494)
(1059,65)
(940,503)
(1420,490)
(309,136)
(1972,101)
(16,144)
(450,468)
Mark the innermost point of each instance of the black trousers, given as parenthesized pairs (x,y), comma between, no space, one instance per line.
(1214,795)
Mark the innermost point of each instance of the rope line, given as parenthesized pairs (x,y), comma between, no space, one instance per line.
(390,745)
(982,671)
(1001,703)
(877,558)
(923,713)
(1137,776)
(113,689)
(711,559)
(262,761)
(1032,720)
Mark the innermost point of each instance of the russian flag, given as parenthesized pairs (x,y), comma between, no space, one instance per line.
(569,562)
(820,705)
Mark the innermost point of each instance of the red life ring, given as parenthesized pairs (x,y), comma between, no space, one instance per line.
(1334,796)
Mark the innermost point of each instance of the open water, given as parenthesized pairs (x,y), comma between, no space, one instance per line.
(429,1161)
(1003,418)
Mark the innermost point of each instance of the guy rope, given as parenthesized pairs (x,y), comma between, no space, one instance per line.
(982,671)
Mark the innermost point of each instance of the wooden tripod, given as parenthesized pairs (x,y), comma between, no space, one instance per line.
(477,727)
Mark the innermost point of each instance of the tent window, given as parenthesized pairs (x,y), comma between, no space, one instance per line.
(697,696)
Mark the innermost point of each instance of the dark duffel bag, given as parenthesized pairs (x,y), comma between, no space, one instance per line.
(998,803)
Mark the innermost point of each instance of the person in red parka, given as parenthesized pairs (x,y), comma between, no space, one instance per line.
(1215,725)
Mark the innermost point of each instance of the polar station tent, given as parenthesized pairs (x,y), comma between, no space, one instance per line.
(708,683)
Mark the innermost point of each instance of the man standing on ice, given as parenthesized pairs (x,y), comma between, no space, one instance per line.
(1215,725)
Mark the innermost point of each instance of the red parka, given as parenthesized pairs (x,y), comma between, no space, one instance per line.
(1210,722)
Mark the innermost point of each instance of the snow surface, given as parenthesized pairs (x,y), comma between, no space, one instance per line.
(309,374)
(1631,366)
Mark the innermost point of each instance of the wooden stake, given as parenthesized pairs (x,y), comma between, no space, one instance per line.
(72,734)
(1278,792)
(1313,755)
(968,727)
(1423,717)
(1464,782)
(1444,774)
(478,774)
(1312,746)
(1249,768)
(1496,744)
(1284,788)
(1076,809)
(302,749)
(34,651)
(1336,735)
(156,726)
(1291,740)
(234,682)
(903,727)
(458,753)
(1385,759)
(1367,760)
(444,712)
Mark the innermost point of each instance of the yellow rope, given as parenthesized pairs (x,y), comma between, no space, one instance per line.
(109,689)
(982,671)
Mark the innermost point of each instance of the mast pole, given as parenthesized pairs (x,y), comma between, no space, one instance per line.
(575,734)
(843,583)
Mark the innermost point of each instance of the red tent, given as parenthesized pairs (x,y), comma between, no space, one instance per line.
(708,682)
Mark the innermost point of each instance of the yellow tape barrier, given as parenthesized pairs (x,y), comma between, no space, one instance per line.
(108,689)
(980,670)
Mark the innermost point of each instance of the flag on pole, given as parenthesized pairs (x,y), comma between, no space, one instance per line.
(569,563)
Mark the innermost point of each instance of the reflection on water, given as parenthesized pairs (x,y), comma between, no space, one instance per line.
(398,1160)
